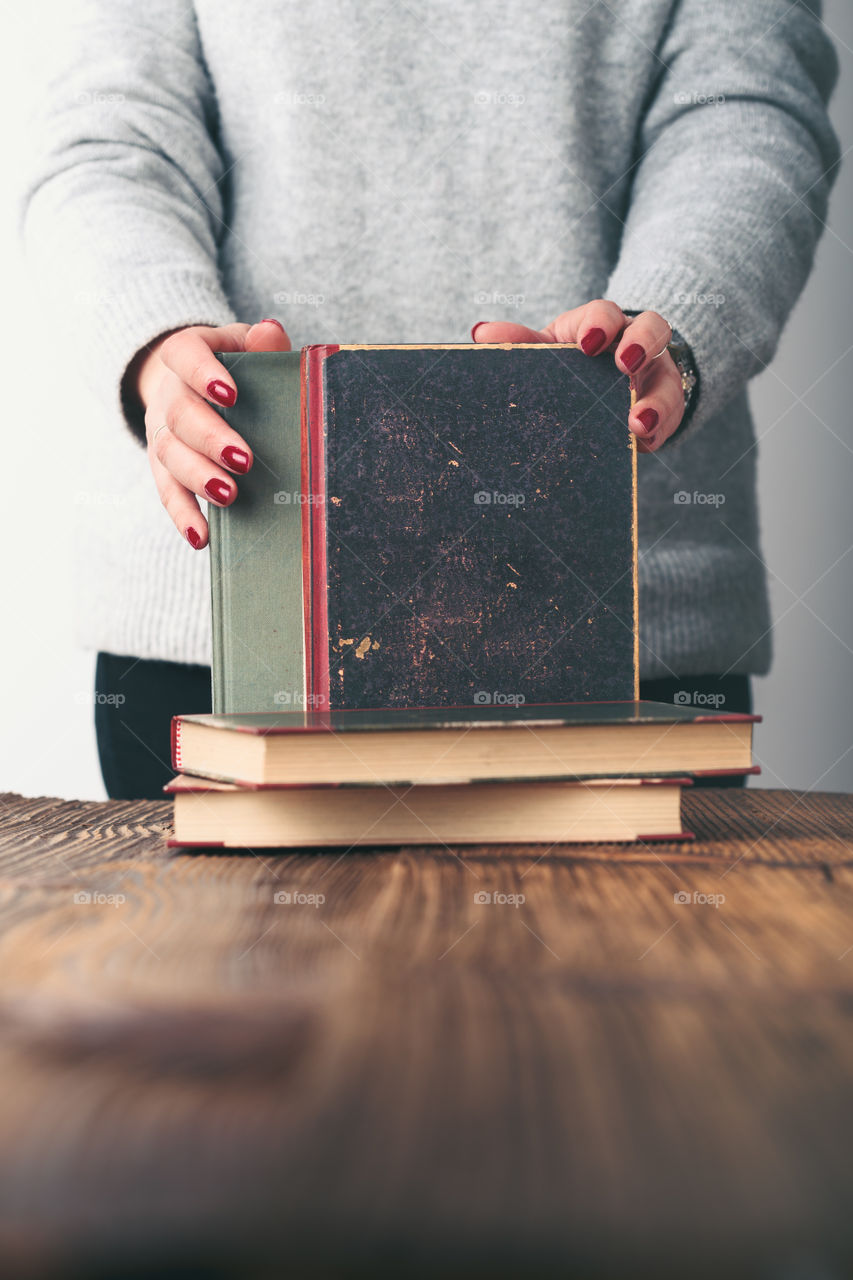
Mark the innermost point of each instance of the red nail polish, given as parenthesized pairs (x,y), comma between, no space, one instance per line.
(194,538)
(649,418)
(218,490)
(633,357)
(235,459)
(592,342)
(475,328)
(221,392)
(271,320)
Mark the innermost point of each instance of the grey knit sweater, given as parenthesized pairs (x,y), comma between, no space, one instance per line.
(370,172)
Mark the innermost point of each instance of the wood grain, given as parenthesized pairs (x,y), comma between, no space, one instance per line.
(598,1080)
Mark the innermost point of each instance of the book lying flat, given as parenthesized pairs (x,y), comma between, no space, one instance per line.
(573,740)
(427,526)
(211,813)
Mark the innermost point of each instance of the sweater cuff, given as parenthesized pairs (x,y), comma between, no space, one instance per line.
(138,314)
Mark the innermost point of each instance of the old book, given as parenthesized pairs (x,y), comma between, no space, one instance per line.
(466,517)
(580,740)
(210,813)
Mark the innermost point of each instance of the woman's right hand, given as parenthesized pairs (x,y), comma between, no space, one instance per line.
(175,379)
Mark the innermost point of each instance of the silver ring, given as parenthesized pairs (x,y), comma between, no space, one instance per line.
(164,427)
(666,344)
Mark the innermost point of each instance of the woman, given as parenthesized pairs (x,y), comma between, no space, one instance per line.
(368,173)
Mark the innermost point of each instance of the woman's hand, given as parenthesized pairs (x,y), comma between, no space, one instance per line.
(174,380)
(597,326)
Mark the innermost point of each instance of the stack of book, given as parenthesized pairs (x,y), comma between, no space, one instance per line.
(434,560)
(471,775)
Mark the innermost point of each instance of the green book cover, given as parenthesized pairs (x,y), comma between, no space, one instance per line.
(256,545)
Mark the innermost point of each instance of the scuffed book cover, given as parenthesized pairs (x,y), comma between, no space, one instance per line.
(471,530)
(494,718)
(255,544)
(404,764)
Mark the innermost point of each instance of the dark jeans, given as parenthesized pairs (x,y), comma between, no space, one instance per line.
(135,699)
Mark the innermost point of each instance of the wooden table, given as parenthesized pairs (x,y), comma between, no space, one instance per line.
(400,1080)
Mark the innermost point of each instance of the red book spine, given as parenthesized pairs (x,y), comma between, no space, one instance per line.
(305,485)
(317,637)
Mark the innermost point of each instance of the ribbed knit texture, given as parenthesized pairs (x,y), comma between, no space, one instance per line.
(392,174)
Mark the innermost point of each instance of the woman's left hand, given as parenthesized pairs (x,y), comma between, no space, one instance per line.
(597,326)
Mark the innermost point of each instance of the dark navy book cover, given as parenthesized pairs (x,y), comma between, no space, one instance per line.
(474,536)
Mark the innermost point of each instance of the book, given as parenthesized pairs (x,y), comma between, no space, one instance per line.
(209,813)
(427,526)
(401,746)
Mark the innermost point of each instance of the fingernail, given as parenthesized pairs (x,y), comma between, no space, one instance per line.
(633,357)
(271,320)
(221,392)
(475,328)
(218,490)
(234,458)
(592,342)
(649,419)
(194,538)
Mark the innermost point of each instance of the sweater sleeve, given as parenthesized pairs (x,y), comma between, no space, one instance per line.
(121,210)
(736,158)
